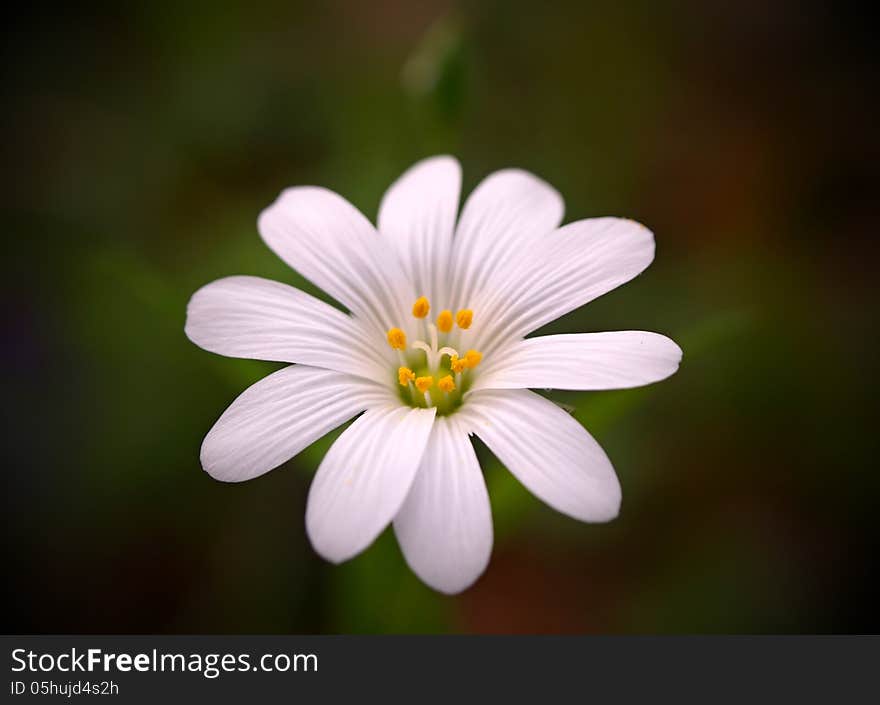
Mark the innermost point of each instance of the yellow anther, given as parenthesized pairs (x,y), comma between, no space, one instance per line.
(405,375)
(421,307)
(456,363)
(444,321)
(446,384)
(464,318)
(472,359)
(397,339)
(423,384)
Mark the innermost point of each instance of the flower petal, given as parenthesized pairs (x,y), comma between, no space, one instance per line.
(265,320)
(417,216)
(274,419)
(547,450)
(614,360)
(329,242)
(574,265)
(445,525)
(364,478)
(508,210)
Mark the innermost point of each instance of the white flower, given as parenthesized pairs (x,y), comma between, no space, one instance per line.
(434,350)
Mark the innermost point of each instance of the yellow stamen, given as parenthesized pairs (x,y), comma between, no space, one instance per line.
(472,358)
(397,339)
(421,307)
(446,384)
(456,363)
(464,318)
(405,375)
(444,321)
(423,384)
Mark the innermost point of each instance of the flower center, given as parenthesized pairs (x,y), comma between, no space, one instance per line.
(432,373)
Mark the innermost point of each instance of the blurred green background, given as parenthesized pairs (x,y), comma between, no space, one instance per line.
(141,142)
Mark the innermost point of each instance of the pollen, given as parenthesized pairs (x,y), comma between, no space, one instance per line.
(456,363)
(472,358)
(405,375)
(464,318)
(444,321)
(397,339)
(421,307)
(423,384)
(446,384)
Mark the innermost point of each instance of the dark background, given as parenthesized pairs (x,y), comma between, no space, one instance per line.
(141,142)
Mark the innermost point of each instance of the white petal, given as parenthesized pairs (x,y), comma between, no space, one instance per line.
(266,320)
(417,216)
(364,479)
(277,417)
(445,525)
(614,360)
(508,210)
(547,450)
(329,242)
(574,265)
